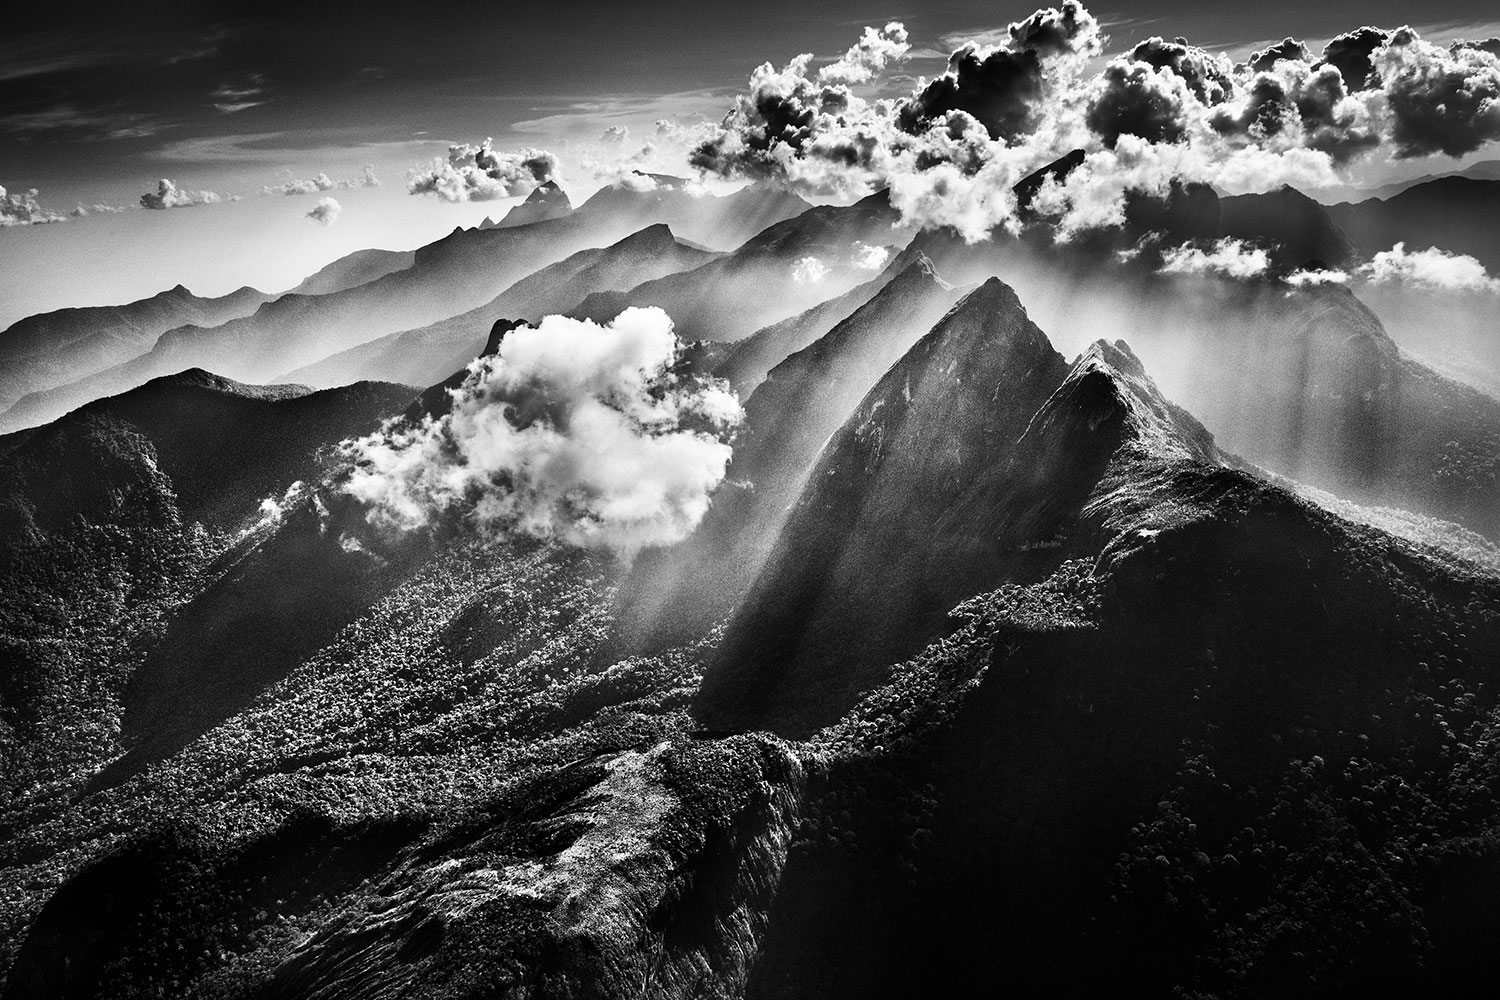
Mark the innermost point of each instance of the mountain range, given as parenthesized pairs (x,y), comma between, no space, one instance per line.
(1063,622)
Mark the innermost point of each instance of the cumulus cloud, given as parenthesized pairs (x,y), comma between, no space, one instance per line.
(1306,279)
(169,195)
(615,134)
(22,209)
(1441,100)
(326,212)
(1431,268)
(1163,111)
(572,430)
(322,182)
(867,58)
(809,270)
(99,208)
(1229,257)
(870,258)
(479,173)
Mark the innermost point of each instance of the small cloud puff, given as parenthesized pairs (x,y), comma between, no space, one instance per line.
(615,134)
(573,431)
(870,258)
(169,195)
(326,212)
(1229,257)
(809,270)
(479,173)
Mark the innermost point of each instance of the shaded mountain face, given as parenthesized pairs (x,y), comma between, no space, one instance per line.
(788,418)
(1454,213)
(1303,232)
(353,270)
(50,349)
(425,355)
(1019,429)
(546,201)
(113,516)
(789,267)
(1178,713)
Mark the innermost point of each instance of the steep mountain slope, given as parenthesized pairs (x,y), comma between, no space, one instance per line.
(1208,739)
(787,420)
(547,201)
(352,270)
(1457,214)
(50,349)
(766,279)
(428,354)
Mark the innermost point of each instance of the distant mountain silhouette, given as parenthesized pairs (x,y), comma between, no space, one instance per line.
(428,354)
(353,270)
(50,349)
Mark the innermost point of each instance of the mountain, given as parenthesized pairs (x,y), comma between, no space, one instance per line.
(546,201)
(803,400)
(462,271)
(1301,230)
(428,354)
(352,270)
(784,270)
(50,349)
(1454,213)
(1184,730)
(719,222)
(746,362)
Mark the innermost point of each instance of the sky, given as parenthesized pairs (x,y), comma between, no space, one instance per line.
(234,98)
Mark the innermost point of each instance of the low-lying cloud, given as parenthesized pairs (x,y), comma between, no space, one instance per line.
(1431,268)
(479,173)
(169,195)
(326,212)
(573,430)
(1230,258)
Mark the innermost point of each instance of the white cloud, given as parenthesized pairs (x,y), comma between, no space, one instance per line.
(1430,268)
(870,258)
(22,209)
(169,195)
(1228,257)
(808,270)
(479,173)
(572,430)
(322,182)
(326,212)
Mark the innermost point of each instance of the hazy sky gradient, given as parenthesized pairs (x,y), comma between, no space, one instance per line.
(232,97)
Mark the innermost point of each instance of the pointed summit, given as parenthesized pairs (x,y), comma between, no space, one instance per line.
(546,201)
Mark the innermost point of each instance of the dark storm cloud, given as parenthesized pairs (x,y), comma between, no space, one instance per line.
(1001,87)
(1441,100)
(1209,76)
(1136,99)
(1353,53)
(1288,48)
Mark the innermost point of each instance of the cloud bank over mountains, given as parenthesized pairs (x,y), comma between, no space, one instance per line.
(572,430)
(1162,111)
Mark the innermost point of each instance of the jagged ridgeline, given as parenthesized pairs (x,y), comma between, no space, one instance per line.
(1060,624)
